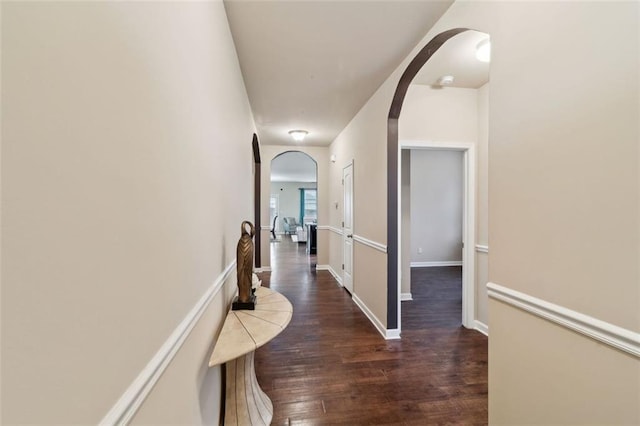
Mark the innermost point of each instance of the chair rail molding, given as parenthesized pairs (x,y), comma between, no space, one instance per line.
(370,243)
(617,337)
(135,395)
(335,230)
(482,249)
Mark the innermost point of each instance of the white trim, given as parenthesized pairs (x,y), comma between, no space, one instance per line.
(435,264)
(323,227)
(330,269)
(370,243)
(392,334)
(469,221)
(387,334)
(482,327)
(132,398)
(482,249)
(265,228)
(612,335)
(335,230)
(435,145)
(263,269)
(405,297)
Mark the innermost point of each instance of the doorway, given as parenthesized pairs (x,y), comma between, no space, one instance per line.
(293,203)
(347,231)
(439,97)
(448,215)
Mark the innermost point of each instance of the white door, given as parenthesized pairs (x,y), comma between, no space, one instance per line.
(347,228)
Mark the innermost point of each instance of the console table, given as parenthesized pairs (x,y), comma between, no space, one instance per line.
(242,333)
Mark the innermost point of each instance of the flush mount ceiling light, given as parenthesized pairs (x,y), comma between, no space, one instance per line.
(483,51)
(298,135)
(445,80)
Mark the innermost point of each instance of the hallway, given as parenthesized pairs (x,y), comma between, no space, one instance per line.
(331,366)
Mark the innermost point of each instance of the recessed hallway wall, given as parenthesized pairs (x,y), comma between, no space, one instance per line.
(562,202)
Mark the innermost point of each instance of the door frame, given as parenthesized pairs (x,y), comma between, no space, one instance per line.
(344,233)
(468,223)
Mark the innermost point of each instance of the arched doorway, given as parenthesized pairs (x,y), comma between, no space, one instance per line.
(394,192)
(293,206)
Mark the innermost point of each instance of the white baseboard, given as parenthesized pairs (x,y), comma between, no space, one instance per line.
(482,327)
(337,277)
(387,334)
(405,297)
(607,333)
(131,400)
(392,334)
(262,269)
(437,263)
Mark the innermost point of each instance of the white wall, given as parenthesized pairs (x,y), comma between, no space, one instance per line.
(405,217)
(122,124)
(437,183)
(289,196)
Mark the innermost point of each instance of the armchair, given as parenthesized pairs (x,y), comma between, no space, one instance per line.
(290,225)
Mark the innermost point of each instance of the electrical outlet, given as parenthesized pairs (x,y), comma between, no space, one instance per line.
(419,250)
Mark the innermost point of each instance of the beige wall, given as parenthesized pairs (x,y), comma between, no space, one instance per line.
(364,142)
(542,374)
(564,211)
(439,115)
(563,181)
(482,205)
(321,156)
(122,125)
(564,219)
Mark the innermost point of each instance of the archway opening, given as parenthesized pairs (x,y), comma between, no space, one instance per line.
(436,112)
(293,205)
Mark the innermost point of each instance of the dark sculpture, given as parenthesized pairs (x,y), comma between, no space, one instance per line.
(244,253)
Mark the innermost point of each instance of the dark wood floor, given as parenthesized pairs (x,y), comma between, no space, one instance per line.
(330,366)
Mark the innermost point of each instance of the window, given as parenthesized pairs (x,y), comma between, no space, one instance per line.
(308,205)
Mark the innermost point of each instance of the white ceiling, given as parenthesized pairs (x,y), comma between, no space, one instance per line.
(313,64)
(457,57)
(293,166)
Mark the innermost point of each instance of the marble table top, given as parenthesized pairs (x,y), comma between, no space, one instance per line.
(244,331)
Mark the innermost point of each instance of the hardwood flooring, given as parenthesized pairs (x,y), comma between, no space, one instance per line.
(332,367)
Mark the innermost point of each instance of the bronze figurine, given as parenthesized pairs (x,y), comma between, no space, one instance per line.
(244,253)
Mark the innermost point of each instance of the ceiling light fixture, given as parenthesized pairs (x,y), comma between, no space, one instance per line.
(483,51)
(298,135)
(445,80)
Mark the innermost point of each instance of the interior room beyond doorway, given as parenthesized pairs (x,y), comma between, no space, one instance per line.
(293,206)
